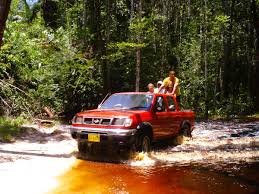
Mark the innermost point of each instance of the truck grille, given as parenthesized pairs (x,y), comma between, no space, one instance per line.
(103,121)
(97,121)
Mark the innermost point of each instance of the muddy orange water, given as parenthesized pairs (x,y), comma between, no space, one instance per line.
(221,158)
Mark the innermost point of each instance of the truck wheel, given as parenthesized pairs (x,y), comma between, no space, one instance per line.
(184,132)
(144,144)
(81,147)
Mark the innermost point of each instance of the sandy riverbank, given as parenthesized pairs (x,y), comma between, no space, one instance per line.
(31,164)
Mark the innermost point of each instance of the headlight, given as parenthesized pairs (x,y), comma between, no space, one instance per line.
(118,121)
(127,122)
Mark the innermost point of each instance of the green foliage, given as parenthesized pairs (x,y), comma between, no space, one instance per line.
(192,84)
(39,68)
(9,128)
(67,58)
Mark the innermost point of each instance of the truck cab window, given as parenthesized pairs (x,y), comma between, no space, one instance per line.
(160,104)
(171,104)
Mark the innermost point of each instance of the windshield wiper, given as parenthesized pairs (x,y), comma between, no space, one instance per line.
(138,107)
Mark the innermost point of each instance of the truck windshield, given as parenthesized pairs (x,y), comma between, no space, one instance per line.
(128,101)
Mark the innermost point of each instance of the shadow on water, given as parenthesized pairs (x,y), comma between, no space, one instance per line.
(214,161)
(98,154)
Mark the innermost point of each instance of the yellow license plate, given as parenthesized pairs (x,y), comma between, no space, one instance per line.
(93,137)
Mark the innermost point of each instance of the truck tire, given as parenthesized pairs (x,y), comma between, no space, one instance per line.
(184,132)
(81,147)
(144,143)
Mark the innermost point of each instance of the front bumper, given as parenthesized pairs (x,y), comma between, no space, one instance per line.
(121,137)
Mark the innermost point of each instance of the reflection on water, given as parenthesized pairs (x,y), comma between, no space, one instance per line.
(220,158)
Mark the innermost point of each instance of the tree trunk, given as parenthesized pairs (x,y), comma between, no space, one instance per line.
(138,57)
(227,69)
(4,10)
(85,14)
(131,9)
(256,65)
(50,13)
(99,44)
(107,69)
(164,33)
(257,73)
(138,52)
(206,60)
(180,22)
(94,15)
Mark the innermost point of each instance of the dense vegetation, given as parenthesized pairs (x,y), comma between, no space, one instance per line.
(10,128)
(67,54)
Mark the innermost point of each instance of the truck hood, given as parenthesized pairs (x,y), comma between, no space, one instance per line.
(110,113)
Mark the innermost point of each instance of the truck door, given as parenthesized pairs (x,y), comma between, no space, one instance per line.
(160,118)
(174,116)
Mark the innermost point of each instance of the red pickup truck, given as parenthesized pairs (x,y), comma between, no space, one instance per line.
(131,121)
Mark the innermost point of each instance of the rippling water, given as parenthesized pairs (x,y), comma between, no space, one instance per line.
(221,157)
(214,142)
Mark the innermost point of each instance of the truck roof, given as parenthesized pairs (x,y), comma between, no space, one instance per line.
(142,93)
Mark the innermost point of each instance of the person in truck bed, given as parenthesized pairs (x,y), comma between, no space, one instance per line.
(151,88)
(171,85)
(158,84)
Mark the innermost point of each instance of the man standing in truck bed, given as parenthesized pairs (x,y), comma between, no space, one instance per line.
(171,85)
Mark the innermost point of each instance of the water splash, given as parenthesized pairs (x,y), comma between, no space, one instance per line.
(213,142)
(142,159)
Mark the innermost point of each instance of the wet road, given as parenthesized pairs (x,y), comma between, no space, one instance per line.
(221,158)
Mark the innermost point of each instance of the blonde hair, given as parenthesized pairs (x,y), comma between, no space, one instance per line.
(150,85)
